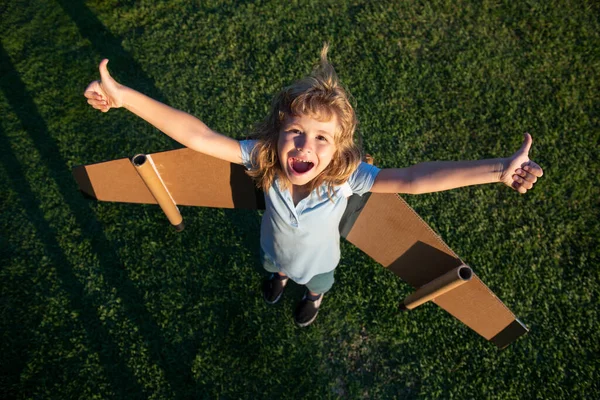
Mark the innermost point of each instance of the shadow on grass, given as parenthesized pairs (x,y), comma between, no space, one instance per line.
(174,360)
(120,376)
(107,44)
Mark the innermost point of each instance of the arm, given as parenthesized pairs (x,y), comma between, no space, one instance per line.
(182,127)
(517,171)
(436,176)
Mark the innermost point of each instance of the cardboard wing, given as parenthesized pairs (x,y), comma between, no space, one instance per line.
(170,178)
(382,225)
(387,229)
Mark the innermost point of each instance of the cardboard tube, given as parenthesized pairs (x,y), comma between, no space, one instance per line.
(147,170)
(442,284)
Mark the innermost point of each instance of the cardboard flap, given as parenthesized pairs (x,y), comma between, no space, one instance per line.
(392,233)
(192,179)
(114,180)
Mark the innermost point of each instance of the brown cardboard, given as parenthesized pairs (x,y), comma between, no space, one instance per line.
(381,225)
(475,305)
(192,179)
(437,287)
(145,167)
(394,235)
(114,180)
(509,334)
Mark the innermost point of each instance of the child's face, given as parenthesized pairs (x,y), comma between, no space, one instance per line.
(306,147)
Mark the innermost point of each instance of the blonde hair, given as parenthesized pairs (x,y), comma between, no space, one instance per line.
(319,96)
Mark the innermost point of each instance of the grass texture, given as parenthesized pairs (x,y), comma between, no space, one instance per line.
(106,301)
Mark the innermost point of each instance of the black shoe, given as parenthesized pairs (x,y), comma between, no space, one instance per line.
(307,310)
(273,288)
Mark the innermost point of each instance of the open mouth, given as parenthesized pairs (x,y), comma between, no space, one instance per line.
(300,166)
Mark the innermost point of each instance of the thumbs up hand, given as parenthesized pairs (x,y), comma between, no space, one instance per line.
(105,93)
(520,173)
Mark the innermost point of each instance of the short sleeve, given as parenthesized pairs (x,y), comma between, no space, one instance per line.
(363,178)
(247,146)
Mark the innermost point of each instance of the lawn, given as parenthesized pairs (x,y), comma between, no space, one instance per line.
(107,301)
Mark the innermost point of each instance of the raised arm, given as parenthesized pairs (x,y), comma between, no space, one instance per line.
(181,126)
(517,172)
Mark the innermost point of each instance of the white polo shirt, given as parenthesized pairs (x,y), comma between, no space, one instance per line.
(304,240)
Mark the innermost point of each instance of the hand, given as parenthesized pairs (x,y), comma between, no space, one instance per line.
(520,173)
(105,93)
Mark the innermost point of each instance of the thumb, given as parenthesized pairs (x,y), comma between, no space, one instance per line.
(527,141)
(104,74)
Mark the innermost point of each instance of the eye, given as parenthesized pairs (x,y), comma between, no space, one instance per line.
(322,138)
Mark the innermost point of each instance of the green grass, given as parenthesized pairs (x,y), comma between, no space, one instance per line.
(102,300)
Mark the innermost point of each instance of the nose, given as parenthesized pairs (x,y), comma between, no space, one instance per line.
(303,144)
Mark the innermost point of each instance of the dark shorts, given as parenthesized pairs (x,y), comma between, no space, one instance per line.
(320,283)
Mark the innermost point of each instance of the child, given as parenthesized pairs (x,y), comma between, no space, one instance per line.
(306,161)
